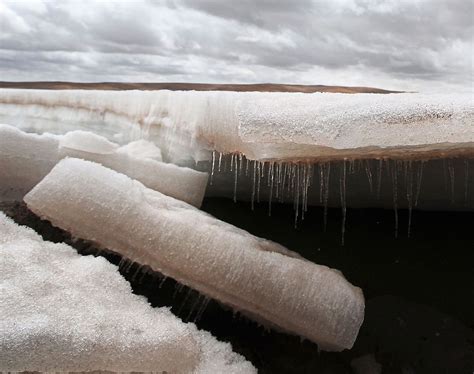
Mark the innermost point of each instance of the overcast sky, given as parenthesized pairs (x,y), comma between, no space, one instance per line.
(399,44)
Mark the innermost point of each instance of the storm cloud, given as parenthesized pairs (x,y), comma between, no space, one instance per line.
(398,44)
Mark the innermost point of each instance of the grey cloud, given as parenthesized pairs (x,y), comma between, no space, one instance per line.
(245,41)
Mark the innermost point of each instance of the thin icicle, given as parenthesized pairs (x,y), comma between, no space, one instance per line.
(369,174)
(379,177)
(342,185)
(419,178)
(296,191)
(213,166)
(259,178)
(271,182)
(466,181)
(451,178)
(394,172)
(409,188)
(254,163)
(321,182)
(220,161)
(202,308)
(236,173)
(326,193)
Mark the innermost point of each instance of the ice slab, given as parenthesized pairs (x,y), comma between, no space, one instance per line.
(26,158)
(64,312)
(179,182)
(264,126)
(252,275)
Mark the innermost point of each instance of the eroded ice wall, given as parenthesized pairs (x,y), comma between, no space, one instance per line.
(63,312)
(262,126)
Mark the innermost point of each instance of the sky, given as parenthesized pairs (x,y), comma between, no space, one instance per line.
(423,45)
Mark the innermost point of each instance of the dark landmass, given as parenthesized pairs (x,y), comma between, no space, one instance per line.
(260,87)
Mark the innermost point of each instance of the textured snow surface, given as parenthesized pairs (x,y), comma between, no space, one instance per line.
(64,312)
(253,275)
(26,158)
(259,125)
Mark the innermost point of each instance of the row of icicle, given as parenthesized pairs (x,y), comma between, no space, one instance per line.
(293,179)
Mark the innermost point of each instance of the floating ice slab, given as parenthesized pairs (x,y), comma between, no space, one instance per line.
(26,158)
(179,182)
(250,274)
(64,312)
(264,126)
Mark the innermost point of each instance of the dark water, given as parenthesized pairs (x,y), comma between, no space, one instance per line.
(419,290)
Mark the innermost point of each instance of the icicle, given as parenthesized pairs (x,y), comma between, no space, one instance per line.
(321,182)
(445,175)
(184,301)
(220,161)
(297,191)
(271,181)
(307,174)
(202,308)
(240,163)
(342,185)
(163,280)
(231,162)
(193,307)
(379,177)
(409,188)
(394,172)
(253,183)
(451,178)
(259,177)
(419,177)
(277,192)
(466,181)
(369,174)
(235,177)
(326,193)
(213,166)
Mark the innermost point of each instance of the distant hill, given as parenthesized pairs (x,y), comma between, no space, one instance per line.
(261,87)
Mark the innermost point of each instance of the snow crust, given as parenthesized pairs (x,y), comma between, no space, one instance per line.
(253,275)
(64,312)
(26,158)
(263,126)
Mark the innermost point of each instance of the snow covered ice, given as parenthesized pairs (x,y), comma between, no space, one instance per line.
(27,158)
(262,126)
(65,312)
(253,275)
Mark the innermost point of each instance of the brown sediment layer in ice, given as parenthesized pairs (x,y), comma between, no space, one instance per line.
(181,86)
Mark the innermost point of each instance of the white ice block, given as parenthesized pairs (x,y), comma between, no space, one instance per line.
(24,160)
(142,149)
(62,312)
(179,182)
(221,261)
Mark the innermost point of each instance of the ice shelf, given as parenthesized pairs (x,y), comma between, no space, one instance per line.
(262,126)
